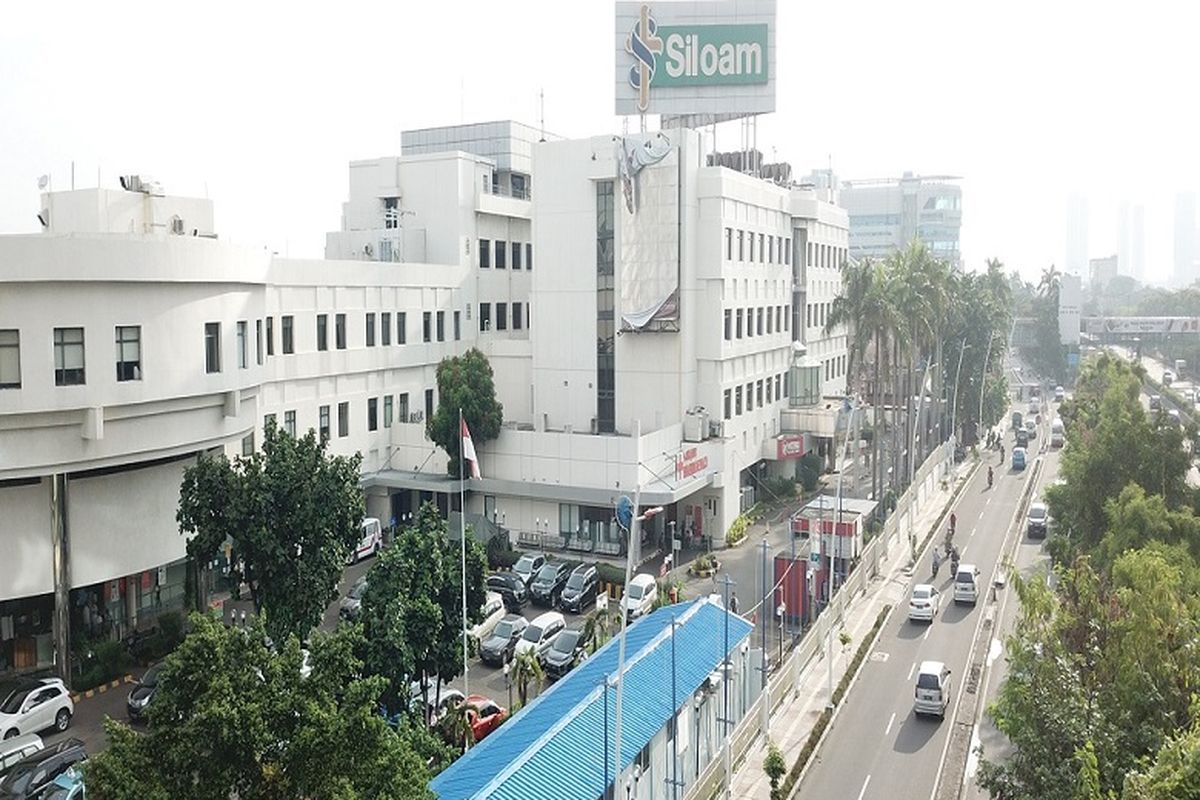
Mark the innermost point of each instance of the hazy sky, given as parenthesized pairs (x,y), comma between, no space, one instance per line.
(262,104)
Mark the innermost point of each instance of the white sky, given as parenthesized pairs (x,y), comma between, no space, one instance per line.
(263,104)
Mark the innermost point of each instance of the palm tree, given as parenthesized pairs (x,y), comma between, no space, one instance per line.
(456,725)
(1050,280)
(526,668)
(595,629)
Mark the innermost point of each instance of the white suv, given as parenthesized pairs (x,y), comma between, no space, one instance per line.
(35,705)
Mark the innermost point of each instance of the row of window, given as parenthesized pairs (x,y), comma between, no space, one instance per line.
(520,317)
(817,314)
(755,394)
(394,408)
(765,248)
(502,250)
(826,255)
(835,367)
(750,322)
(70,368)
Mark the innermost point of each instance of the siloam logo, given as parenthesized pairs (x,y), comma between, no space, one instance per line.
(693,55)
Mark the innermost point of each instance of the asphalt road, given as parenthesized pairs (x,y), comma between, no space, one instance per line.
(877,747)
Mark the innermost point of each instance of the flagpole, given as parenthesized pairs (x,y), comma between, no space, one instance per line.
(462,519)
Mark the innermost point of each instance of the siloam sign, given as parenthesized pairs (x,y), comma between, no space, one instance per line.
(688,58)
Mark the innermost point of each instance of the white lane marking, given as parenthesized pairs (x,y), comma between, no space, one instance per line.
(863,791)
(925,635)
(981,514)
(911,670)
(888,729)
(989,499)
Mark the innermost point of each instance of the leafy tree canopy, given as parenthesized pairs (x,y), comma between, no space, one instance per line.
(292,513)
(465,382)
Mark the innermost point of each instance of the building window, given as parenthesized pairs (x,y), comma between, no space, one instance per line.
(248,445)
(485,316)
(606,359)
(241,344)
(770,320)
(289,342)
(10,359)
(323,423)
(385,328)
(750,235)
(787,252)
(517,322)
(401,327)
(426,326)
(737,400)
(729,244)
(268,421)
(778,318)
(750,396)
(289,423)
(501,253)
(402,407)
(270,336)
(370,329)
(728,325)
(129,353)
(528,256)
(728,404)
(441,326)
(429,404)
(770,384)
(770,249)
(758,393)
(372,413)
(258,342)
(740,316)
(749,322)
(759,324)
(762,250)
(485,253)
(501,316)
(343,419)
(322,331)
(741,245)
(387,411)
(457,325)
(516,254)
(212,347)
(340,331)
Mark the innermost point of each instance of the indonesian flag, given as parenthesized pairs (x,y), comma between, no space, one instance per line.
(468,448)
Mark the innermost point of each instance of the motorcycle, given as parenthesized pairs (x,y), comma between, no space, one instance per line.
(989,477)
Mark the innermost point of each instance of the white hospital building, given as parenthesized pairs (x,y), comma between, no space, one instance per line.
(658,324)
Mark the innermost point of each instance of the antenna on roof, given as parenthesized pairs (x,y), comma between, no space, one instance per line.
(542,112)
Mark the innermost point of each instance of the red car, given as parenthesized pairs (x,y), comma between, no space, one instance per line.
(488,716)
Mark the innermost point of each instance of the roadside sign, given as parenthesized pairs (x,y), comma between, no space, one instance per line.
(602,601)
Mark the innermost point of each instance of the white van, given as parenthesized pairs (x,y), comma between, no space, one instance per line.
(966,584)
(370,541)
(17,748)
(640,595)
(1057,434)
(932,693)
(540,634)
(493,611)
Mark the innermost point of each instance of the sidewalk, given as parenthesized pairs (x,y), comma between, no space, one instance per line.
(795,717)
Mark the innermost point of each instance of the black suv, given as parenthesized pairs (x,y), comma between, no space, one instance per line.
(564,653)
(549,582)
(499,646)
(511,589)
(30,777)
(581,588)
(138,703)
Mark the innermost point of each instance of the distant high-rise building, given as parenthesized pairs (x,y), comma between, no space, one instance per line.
(886,214)
(1137,244)
(1077,235)
(1124,258)
(1185,239)
(1102,271)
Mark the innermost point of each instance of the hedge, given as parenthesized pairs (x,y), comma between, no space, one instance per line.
(810,744)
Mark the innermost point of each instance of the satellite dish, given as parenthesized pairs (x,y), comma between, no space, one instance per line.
(625,512)
(43,181)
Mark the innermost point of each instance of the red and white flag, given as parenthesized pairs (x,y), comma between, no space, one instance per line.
(468,448)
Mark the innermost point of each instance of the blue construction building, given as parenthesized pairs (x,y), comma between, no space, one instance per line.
(560,746)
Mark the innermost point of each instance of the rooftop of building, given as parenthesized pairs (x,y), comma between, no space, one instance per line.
(552,747)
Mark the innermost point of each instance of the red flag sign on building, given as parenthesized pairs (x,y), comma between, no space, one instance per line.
(468,449)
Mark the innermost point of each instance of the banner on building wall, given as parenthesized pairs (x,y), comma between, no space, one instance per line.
(648,232)
(789,446)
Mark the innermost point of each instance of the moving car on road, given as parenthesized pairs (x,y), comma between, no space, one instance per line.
(1037,520)
(1057,433)
(1018,458)
(1059,394)
(924,602)
(370,541)
(498,648)
(1155,402)
(351,605)
(527,567)
(966,584)
(932,694)
(34,705)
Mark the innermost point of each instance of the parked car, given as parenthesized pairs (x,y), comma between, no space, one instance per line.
(549,583)
(351,605)
(933,689)
(437,704)
(640,595)
(492,612)
(67,786)
(1037,520)
(32,776)
(527,567)
(511,588)
(138,703)
(18,748)
(34,705)
(581,589)
(370,541)
(485,715)
(566,651)
(499,648)
(540,634)
(924,602)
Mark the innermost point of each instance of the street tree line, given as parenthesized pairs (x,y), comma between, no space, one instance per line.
(1099,700)
(911,313)
(1046,353)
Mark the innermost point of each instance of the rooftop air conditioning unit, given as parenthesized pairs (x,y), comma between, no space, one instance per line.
(716,428)
(695,425)
(176,226)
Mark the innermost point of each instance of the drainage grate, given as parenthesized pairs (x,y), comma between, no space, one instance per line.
(973,678)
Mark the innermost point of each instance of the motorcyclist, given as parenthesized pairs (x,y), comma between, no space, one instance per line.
(989,477)
(1001,454)
(953,522)
(937,562)
(954,559)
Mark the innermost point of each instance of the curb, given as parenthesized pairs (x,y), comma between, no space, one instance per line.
(101,689)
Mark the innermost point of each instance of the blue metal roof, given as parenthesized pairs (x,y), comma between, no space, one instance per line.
(555,745)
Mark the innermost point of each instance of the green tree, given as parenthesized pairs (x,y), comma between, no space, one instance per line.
(527,669)
(292,513)
(1174,774)
(465,382)
(412,608)
(233,718)
(1088,787)
(775,768)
